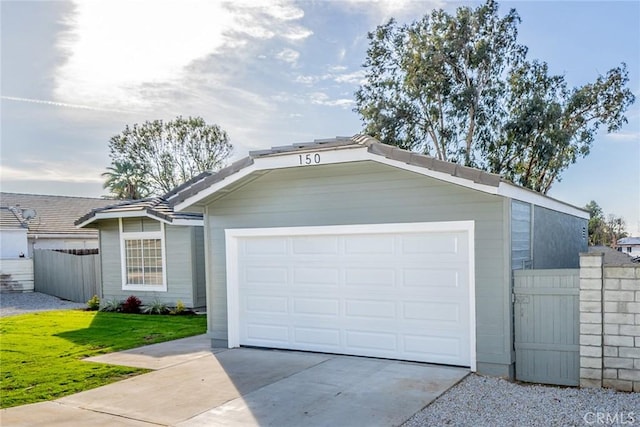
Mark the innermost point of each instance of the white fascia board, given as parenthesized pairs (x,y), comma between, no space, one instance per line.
(524,195)
(442,176)
(188,222)
(112,215)
(137,214)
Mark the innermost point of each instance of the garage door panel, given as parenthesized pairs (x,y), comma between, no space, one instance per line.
(432,311)
(316,306)
(368,340)
(383,277)
(267,333)
(434,346)
(370,309)
(316,338)
(316,276)
(430,278)
(266,304)
(431,243)
(401,295)
(318,245)
(368,245)
(260,275)
(265,246)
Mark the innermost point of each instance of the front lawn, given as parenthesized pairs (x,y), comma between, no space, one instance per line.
(41,353)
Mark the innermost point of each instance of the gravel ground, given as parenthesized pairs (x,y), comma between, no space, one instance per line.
(483,401)
(19,303)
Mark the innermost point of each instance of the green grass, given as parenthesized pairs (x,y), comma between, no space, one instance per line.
(41,353)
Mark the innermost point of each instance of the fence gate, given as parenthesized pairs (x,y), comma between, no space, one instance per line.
(546,326)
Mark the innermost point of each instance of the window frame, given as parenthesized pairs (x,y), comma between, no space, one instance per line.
(142,235)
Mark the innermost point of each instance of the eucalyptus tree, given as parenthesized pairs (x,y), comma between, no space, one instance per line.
(459,87)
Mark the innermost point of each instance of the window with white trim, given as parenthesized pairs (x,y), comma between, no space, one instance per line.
(143,260)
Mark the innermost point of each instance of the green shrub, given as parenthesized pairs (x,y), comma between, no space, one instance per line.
(111,305)
(131,305)
(156,307)
(94,303)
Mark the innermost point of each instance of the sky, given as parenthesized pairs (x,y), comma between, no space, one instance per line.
(74,73)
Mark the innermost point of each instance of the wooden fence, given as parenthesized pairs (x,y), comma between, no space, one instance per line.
(68,276)
(16,275)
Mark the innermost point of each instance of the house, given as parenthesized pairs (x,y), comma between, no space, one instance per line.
(13,234)
(48,220)
(629,246)
(351,246)
(148,250)
(16,269)
(33,221)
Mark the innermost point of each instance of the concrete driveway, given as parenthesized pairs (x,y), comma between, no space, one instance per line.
(193,385)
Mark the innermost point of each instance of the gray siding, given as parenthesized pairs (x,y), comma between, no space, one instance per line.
(369,193)
(180,274)
(139,224)
(520,235)
(199,283)
(558,239)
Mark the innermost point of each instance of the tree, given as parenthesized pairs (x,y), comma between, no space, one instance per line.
(125,181)
(604,231)
(166,154)
(597,231)
(459,87)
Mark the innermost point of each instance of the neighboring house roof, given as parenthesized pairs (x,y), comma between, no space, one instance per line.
(356,148)
(10,219)
(54,215)
(154,207)
(628,241)
(611,256)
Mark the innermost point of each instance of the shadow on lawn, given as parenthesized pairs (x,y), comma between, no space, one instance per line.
(118,331)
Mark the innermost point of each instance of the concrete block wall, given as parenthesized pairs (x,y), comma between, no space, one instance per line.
(609,324)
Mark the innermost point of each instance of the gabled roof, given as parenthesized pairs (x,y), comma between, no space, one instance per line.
(629,241)
(154,207)
(54,215)
(348,149)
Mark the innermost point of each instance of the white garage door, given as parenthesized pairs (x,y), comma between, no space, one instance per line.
(400,291)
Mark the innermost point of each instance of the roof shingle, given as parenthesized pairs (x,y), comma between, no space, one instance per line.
(54,214)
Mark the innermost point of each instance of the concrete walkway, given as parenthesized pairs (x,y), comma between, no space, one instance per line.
(193,385)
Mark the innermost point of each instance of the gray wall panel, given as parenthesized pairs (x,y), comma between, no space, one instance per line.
(558,239)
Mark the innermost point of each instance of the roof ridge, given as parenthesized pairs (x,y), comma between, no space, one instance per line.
(52,195)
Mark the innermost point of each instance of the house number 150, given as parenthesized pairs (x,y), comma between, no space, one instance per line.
(309,159)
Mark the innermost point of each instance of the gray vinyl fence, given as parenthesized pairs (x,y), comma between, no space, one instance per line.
(68,276)
(547,326)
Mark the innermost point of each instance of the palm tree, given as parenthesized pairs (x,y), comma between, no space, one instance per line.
(125,181)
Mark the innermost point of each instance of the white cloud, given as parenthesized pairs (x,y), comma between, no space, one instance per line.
(306,80)
(355,77)
(288,55)
(62,104)
(321,98)
(49,171)
(118,52)
(382,10)
(335,74)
